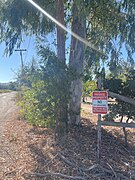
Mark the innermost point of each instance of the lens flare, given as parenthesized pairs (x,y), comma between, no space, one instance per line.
(64,27)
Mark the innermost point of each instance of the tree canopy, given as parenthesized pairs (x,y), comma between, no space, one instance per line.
(107,24)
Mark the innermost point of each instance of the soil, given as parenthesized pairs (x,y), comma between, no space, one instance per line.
(32,153)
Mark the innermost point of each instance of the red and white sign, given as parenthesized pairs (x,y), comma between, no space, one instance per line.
(100,102)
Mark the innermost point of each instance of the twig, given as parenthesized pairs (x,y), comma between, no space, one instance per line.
(74,165)
(2,147)
(118,174)
(66,160)
(57,174)
(125,148)
(90,168)
(112,169)
(105,170)
(122,176)
(99,175)
(10,172)
(49,162)
(10,157)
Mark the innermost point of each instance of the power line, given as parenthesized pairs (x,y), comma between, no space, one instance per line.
(21,50)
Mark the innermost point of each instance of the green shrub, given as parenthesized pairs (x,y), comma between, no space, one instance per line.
(34,107)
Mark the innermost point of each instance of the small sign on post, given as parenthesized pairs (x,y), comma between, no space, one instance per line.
(100,102)
(99,106)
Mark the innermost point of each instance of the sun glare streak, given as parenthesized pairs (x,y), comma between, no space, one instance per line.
(65,28)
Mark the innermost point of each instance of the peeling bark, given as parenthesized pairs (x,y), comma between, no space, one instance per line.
(60,31)
(61,113)
(76,61)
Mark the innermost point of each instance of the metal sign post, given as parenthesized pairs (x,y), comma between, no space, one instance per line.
(99,138)
(99,106)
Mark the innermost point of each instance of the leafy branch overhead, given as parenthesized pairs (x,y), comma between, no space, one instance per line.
(107,22)
(109,25)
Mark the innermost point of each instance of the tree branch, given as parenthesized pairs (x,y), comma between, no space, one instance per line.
(57,174)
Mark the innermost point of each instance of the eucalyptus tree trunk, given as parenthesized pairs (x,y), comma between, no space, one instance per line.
(76,61)
(60,31)
(61,110)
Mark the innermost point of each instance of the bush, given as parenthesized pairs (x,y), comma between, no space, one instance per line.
(36,108)
(45,103)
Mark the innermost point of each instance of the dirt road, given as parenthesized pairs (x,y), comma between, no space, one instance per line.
(7,109)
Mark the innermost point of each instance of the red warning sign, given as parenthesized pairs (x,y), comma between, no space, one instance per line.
(100,102)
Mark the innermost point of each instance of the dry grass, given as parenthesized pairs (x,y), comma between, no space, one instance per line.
(5,91)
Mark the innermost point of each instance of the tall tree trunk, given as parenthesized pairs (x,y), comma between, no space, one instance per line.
(61,116)
(60,31)
(76,60)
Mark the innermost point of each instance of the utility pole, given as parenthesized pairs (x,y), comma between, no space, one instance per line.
(21,50)
(22,63)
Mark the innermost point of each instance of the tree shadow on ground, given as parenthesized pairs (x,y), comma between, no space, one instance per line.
(78,151)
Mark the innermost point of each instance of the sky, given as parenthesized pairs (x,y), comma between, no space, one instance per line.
(9,66)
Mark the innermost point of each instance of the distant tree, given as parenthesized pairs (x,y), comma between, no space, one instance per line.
(26,76)
(88,88)
(13,86)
